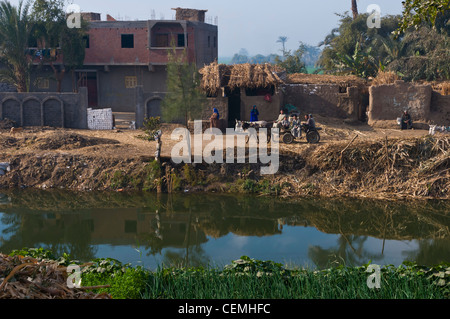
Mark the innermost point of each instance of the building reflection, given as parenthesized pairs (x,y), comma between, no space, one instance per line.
(186,223)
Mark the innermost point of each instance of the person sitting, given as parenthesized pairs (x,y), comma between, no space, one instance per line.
(310,123)
(406,121)
(279,120)
(295,127)
(285,123)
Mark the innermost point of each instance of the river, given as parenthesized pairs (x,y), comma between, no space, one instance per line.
(213,229)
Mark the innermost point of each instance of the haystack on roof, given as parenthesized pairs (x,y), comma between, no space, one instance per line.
(216,76)
(345,81)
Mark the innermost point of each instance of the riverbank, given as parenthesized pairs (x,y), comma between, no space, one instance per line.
(38,274)
(350,161)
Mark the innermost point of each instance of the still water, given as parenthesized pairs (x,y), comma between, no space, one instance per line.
(212,230)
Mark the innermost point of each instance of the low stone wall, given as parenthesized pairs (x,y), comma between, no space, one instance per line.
(66,110)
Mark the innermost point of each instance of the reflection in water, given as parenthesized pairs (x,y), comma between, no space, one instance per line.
(206,229)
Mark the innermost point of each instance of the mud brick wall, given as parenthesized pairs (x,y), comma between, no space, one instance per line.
(387,103)
(220,103)
(67,110)
(440,109)
(329,100)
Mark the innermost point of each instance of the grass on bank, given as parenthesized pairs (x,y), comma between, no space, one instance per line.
(248,278)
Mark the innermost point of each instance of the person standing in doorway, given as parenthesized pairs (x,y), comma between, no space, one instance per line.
(254,113)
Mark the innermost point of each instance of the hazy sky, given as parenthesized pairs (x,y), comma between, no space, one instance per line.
(251,24)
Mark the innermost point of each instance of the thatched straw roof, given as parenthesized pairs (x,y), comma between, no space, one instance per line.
(216,76)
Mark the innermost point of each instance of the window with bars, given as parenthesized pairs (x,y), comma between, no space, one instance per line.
(43,83)
(130,82)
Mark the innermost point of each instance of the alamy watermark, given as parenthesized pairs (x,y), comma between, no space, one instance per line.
(73,12)
(74,278)
(374,19)
(213,152)
(374,280)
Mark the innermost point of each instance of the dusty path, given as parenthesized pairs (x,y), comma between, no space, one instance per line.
(126,143)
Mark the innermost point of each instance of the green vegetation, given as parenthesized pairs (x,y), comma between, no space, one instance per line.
(248,278)
(263,186)
(151,126)
(51,32)
(418,54)
(419,12)
(15,31)
(292,62)
(38,24)
(184,100)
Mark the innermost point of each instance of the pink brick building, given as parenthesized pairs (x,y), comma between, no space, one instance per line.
(121,55)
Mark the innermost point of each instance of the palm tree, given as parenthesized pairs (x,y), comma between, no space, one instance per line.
(354,9)
(15,30)
(283,40)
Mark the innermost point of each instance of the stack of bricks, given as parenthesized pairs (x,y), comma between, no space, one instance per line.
(100,119)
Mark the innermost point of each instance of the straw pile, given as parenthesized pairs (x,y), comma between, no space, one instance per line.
(215,76)
(385,77)
(29,278)
(386,168)
(211,79)
(344,81)
(441,87)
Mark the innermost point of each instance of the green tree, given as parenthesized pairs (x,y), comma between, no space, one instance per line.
(184,98)
(15,31)
(425,56)
(52,33)
(360,63)
(419,12)
(353,48)
(293,62)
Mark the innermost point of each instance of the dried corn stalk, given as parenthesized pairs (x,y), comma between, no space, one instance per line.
(29,278)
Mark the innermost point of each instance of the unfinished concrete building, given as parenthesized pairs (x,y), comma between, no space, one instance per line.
(121,55)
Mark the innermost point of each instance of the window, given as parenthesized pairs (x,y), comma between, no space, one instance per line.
(130,82)
(130,227)
(181,42)
(209,41)
(215,42)
(43,83)
(127,41)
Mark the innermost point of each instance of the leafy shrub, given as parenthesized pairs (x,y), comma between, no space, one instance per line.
(125,282)
(151,126)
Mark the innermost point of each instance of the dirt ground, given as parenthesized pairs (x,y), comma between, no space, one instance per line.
(408,164)
(123,142)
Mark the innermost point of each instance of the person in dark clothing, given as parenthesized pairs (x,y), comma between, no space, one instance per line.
(215,119)
(254,114)
(406,121)
(216,111)
(310,122)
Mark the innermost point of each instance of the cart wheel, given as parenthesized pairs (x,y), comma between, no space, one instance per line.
(288,138)
(313,137)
